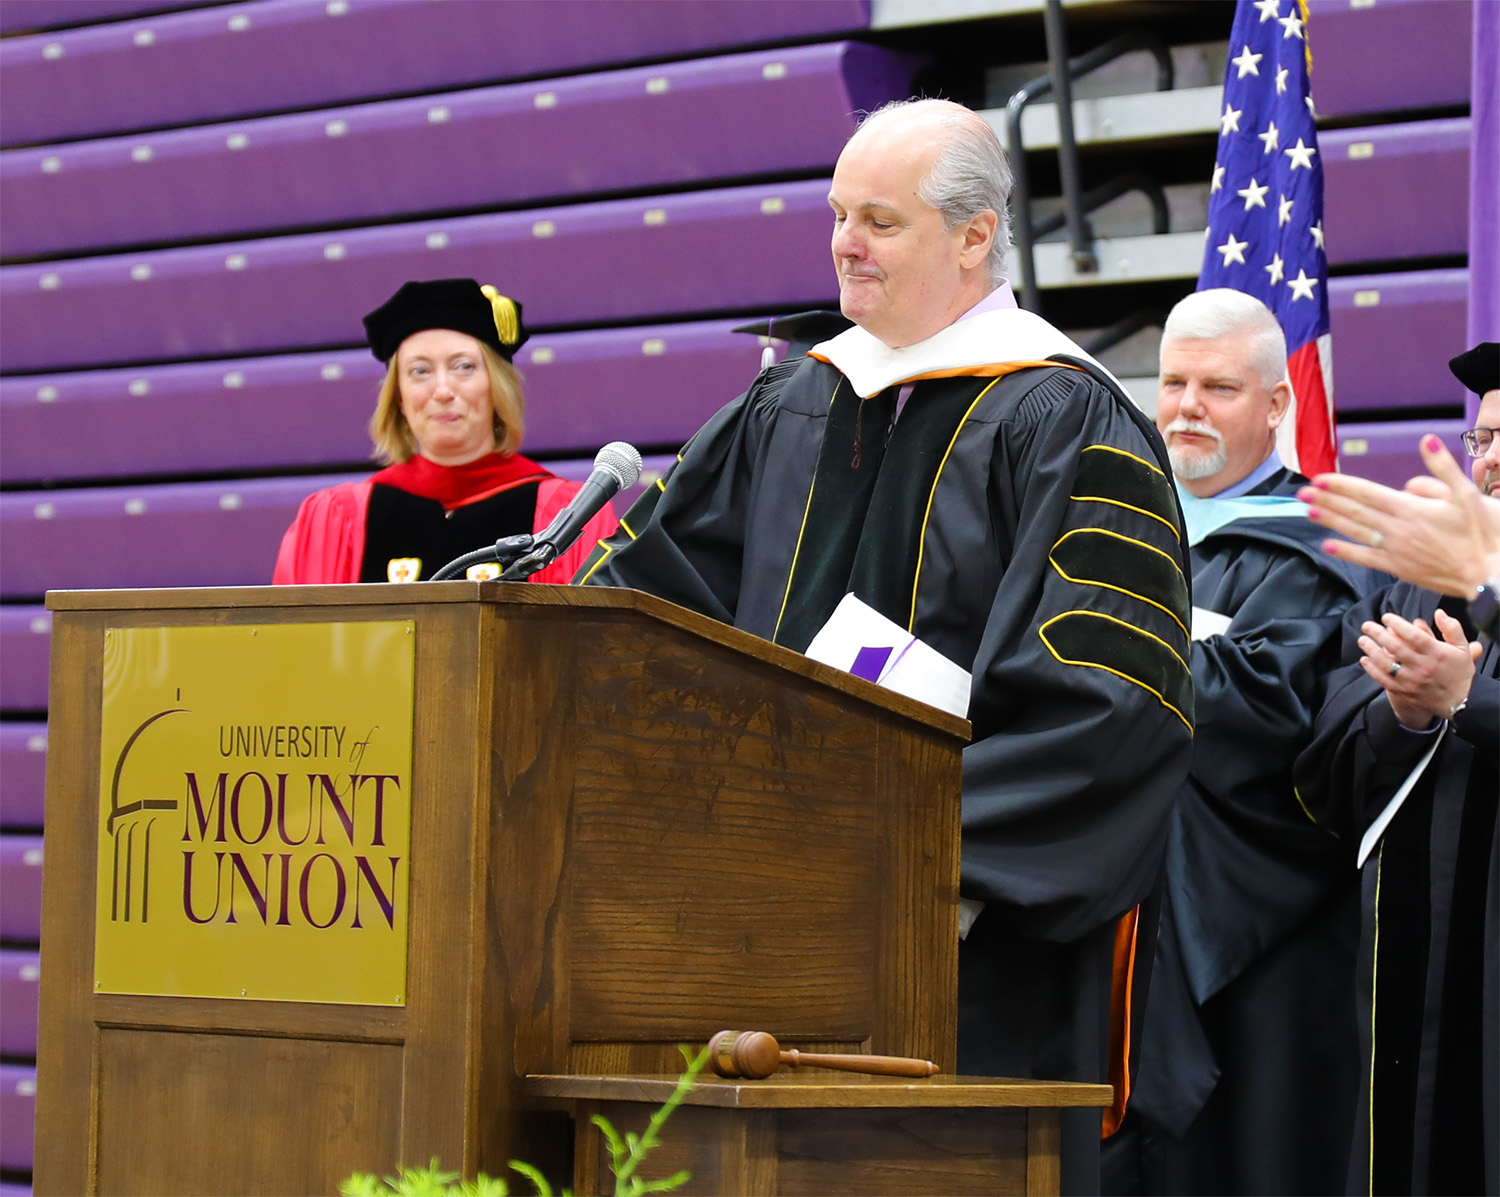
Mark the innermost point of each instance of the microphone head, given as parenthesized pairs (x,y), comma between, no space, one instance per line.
(621,460)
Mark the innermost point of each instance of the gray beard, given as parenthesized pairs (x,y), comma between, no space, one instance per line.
(1192,466)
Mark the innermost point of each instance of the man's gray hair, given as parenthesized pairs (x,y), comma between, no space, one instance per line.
(1204,315)
(971,173)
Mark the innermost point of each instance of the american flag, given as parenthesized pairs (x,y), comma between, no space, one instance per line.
(1265,208)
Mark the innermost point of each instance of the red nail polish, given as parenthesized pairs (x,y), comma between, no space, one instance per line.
(1321,483)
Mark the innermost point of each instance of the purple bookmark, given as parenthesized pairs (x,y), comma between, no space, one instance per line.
(868,663)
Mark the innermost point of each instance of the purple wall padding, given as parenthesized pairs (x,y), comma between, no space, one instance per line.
(19,973)
(650,385)
(16,15)
(303,411)
(1484,187)
(276,55)
(188,534)
(1392,337)
(1394,56)
(1396,191)
(182,534)
(622,261)
(25,651)
(17,1115)
(1387,453)
(23,775)
(21,888)
(636,130)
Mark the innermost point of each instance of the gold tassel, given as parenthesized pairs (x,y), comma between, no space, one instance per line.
(507,321)
(1306,41)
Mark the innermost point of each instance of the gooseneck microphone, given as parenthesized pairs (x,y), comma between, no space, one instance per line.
(616,466)
(504,551)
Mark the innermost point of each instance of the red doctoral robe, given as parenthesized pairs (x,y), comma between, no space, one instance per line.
(327,540)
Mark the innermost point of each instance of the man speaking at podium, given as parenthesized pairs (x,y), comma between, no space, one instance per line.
(966,470)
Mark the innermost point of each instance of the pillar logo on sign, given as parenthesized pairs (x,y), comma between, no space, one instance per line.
(255,804)
(130,826)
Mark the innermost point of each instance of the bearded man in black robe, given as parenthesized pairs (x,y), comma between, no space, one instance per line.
(1248,1059)
(966,470)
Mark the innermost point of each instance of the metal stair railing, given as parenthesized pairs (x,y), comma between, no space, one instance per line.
(1108,338)
(1058,82)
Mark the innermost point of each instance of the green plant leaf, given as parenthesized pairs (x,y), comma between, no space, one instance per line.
(626,1155)
(617,1151)
(627,1184)
(481,1186)
(430,1181)
(666,1185)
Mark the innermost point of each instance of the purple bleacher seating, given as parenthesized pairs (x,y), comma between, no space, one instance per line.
(187,534)
(182,534)
(25,643)
(18,15)
(613,262)
(651,385)
(278,55)
(17,1115)
(21,888)
(306,410)
(1396,191)
(1387,453)
(23,774)
(1393,335)
(19,972)
(637,130)
(1397,55)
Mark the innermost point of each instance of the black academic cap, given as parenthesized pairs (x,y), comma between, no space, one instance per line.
(1478,368)
(801,330)
(459,304)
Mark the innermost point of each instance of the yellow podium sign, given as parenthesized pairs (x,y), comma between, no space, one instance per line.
(255,812)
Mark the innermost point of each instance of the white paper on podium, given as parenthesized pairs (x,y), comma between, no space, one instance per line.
(860,640)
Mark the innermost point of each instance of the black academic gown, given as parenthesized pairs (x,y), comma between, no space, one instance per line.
(1248,1060)
(1427,1018)
(1024,527)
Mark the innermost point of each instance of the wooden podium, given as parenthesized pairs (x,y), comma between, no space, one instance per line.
(631,827)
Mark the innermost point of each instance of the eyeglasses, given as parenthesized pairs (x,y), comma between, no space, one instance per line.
(1478,440)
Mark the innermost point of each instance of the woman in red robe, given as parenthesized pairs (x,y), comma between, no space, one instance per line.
(449,422)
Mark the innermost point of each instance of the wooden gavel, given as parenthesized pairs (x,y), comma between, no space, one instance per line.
(756,1055)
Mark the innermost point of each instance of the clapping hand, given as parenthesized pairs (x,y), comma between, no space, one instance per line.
(1424,676)
(1439,532)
